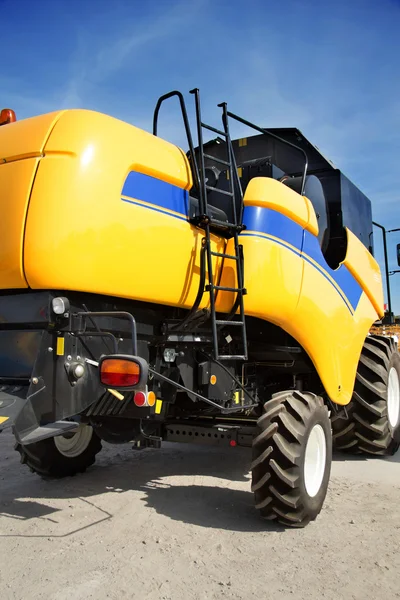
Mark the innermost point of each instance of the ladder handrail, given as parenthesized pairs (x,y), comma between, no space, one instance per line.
(161,99)
(276,137)
(232,158)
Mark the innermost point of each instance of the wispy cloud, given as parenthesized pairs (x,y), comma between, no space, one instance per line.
(98,58)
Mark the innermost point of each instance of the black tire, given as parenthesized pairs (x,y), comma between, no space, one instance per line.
(368,429)
(279,451)
(45,459)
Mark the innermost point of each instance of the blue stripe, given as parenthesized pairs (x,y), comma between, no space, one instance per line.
(342,276)
(269,222)
(156,209)
(149,189)
(273,223)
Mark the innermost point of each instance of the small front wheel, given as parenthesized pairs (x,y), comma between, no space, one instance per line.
(63,455)
(292,456)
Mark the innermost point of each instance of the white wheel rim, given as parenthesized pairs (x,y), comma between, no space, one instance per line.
(393,401)
(315,460)
(74,444)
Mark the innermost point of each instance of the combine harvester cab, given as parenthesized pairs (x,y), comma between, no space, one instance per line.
(223,296)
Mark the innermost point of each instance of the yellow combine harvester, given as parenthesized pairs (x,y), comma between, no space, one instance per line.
(223,296)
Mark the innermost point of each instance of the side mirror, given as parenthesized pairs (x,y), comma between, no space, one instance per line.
(123,372)
(398,254)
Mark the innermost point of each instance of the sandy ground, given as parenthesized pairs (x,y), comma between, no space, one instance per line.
(179,523)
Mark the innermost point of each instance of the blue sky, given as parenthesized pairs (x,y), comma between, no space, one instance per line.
(329,68)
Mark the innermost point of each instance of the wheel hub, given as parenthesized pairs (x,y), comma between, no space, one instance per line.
(393,400)
(315,460)
(72,445)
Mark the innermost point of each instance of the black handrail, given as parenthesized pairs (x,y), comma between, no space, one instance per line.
(389,298)
(195,170)
(276,137)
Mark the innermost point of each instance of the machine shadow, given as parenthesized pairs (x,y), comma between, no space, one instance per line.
(155,473)
(120,469)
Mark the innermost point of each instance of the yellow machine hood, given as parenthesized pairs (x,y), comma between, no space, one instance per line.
(21,147)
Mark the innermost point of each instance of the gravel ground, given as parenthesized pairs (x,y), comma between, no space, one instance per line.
(179,523)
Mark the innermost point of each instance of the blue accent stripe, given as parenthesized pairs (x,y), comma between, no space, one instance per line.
(342,276)
(270,222)
(298,253)
(273,223)
(156,209)
(155,191)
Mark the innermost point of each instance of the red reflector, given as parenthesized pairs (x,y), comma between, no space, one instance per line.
(233,443)
(140,399)
(7,116)
(119,373)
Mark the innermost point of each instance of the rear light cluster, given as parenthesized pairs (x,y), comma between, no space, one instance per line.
(144,399)
(117,373)
(124,373)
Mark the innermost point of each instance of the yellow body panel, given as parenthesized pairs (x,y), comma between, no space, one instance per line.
(15,184)
(365,270)
(108,214)
(289,284)
(88,235)
(26,138)
(333,337)
(21,145)
(270,193)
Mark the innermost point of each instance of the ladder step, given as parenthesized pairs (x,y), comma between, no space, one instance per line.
(214,189)
(214,129)
(218,160)
(232,357)
(237,323)
(228,289)
(222,255)
(226,225)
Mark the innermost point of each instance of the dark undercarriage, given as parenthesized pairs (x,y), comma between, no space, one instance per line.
(203,400)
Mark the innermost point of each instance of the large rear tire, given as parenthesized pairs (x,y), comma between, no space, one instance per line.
(373,423)
(292,458)
(62,456)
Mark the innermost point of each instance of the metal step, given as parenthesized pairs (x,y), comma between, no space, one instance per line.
(214,130)
(48,431)
(228,289)
(225,225)
(233,323)
(232,357)
(217,160)
(219,191)
(222,255)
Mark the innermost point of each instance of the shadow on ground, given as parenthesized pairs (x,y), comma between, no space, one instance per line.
(120,469)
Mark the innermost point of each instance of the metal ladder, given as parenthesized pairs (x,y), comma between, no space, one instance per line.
(231,230)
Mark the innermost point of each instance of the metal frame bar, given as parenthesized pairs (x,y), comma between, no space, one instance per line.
(386,270)
(117,314)
(276,137)
(179,95)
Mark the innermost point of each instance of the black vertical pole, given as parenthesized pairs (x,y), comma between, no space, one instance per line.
(386,270)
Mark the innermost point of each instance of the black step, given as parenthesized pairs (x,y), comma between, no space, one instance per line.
(214,130)
(218,160)
(214,189)
(228,289)
(225,224)
(222,255)
(48,431)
